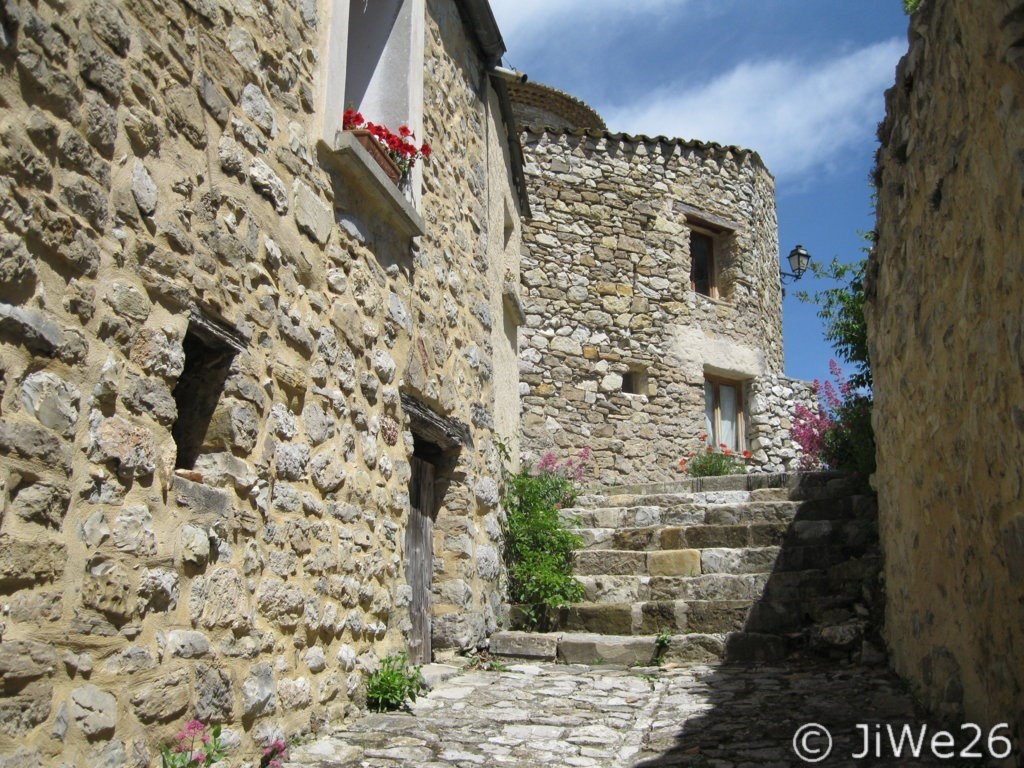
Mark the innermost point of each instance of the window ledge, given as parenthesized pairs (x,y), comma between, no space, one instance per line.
(718,302)
(512,302)
(360,171)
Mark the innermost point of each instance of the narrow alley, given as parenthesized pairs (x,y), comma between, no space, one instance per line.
(725,716)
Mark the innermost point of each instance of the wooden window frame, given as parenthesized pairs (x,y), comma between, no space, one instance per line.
(741,420)
(713,239)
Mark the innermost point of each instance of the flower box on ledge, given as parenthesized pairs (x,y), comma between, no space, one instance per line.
(371,145)
(362,175)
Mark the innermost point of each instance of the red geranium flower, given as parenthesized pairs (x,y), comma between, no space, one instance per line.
(398,146)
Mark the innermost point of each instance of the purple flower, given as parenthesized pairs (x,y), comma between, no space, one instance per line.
(548,462)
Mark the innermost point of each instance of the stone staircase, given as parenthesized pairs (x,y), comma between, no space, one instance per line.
(743,568)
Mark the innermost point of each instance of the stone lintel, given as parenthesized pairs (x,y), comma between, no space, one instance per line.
(444,432)
(698,216)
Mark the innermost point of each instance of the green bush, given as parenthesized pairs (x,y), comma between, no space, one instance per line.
(713,463)
(850,441)
(393,684)
(539,546)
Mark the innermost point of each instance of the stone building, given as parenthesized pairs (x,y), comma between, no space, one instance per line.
(945,322)
(250,390)
(654,307)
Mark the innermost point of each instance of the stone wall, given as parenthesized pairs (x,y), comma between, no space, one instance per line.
(945,320)
(606,269)
(771,403)
(204,457)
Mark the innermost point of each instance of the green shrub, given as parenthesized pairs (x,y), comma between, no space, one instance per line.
(393,684)
(539,546)
(850,441)
(711,463)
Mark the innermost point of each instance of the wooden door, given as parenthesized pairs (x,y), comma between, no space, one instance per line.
(419,557)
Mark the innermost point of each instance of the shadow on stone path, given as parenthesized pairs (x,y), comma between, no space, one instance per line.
(719,716)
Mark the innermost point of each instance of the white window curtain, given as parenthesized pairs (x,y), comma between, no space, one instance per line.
(709,411)
(728,416)
(723,414)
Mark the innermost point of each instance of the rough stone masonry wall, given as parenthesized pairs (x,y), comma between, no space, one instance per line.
(606,268)
(945,320)
(156,157)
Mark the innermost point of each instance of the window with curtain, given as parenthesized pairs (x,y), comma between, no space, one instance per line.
(723,413)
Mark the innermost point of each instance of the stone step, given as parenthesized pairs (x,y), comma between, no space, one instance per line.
(665,499)
(843,532)
(688,536)
(635,589)
(675,562)
(613,562)
(637,650)
(711,616)
(697,562)
(688,514)
(637,516)
(589,648)
(651,617)
(791,588)
(805,485)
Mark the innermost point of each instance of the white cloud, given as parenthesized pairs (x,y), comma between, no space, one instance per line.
(520,20)
(800,116)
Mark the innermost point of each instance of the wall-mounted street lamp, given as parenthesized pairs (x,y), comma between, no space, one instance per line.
(799,259)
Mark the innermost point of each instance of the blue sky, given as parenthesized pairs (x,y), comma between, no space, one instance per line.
(800,81)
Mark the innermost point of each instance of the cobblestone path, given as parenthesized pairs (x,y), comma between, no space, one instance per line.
(717,716)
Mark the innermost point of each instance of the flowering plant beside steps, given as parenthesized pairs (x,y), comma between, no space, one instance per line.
(195,747)
(198,747)
(712,462)
(400,147)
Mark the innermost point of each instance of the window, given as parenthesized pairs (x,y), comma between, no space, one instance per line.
(702,264)
(375,63)
(210,347)
(723,413)
(634,381)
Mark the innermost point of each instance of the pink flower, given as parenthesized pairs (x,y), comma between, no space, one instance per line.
(548,462)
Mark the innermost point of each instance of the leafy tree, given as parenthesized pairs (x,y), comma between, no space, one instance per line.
(842,309)
(846,436)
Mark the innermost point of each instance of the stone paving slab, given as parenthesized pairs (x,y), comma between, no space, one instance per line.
(704,715)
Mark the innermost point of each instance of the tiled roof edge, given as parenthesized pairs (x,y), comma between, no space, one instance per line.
(641,138)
